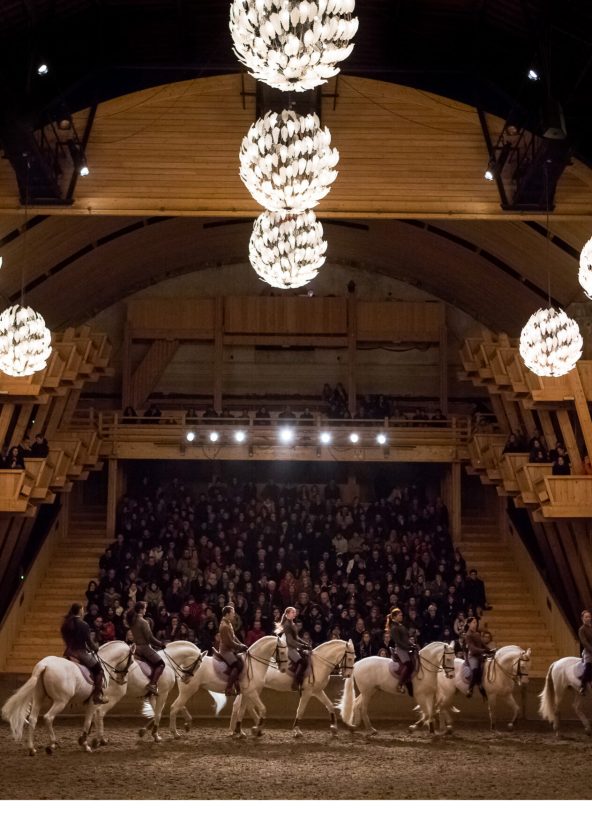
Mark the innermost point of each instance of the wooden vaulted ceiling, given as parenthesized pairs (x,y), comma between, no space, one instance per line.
(163,160)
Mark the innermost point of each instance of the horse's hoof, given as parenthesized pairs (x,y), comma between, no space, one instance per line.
(141,732)
(87,748)
(333,730)
(82,740)
(511,727)
(49,749)
(297,733)
(32,751)
(95,743)
(187,726)
(412,727)
(373,732)
(449,730)
(177,736)
(241,735)
(157,739)
(588,731)
(103,742)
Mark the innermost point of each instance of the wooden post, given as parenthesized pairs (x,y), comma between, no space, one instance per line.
(455,502)
(218,352)
(444,365)
(126,368)
(352,345)
(112,488)
(569,439)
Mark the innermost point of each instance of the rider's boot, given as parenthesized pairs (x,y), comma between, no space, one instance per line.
(97,696)
(403,678)
(232,680)
(156,675)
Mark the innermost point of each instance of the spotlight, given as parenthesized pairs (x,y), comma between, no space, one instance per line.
(190,436)
(43,69)
(354,437)
(381,439)
(286,435)
(214,436)
(325,437)
(533,74)
(240,436)
(84,170)
(488,174)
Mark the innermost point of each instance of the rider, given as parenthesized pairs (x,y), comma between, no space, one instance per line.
(298,648)
(475,651)
(403,648)
(80,646)
(229,647)
(146,643)
(585,636)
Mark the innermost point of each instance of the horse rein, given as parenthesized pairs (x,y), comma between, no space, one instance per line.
(115,672)
(179,670)
(515,677)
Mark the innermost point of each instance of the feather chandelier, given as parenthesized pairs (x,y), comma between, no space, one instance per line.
(585,271)
(550,343)
(25,341)
(286,161)
(292,44)
(286,250)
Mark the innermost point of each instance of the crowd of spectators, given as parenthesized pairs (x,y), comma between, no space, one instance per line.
(538,452)
(343,566)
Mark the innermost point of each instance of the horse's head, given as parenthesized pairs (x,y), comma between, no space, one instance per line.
(281,655)
(448,657)
(522,667)
(349,658)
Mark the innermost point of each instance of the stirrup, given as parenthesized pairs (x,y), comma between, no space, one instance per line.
(152,688)
(401,688)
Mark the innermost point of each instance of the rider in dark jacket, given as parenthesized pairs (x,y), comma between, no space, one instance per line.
(80,646)
(404,648)
(146,643)
(296,646)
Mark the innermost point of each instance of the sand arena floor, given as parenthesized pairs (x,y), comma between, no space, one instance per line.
(207,764)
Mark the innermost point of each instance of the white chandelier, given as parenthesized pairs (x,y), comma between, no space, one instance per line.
(292,44)
(287,251)
(585,272)
(286,161)
(25,341)
(550,343)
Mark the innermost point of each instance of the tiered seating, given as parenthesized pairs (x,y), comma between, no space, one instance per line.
(78,356)
(518,397)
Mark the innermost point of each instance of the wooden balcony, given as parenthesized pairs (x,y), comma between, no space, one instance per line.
(565,496)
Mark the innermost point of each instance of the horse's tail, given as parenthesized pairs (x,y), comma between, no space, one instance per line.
(346,704)
(219,700)
(16,709)
(547,697)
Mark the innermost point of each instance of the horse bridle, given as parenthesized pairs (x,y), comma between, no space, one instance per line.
(269,662)
(515,677)
(179,670)
(117,674)
(341,663)
(448,669)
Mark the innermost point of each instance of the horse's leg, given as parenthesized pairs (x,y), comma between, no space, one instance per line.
(364,701)
(259,713)
(158,707)
(302,704)
(419,721)
(238,712)
(322,697)
(91,712)
(577,704)
(56,707)
(515,709)
(234,714)
(31,725)
(491,702)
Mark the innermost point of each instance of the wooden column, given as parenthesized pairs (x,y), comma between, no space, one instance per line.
(582,409)
(126,367)
(218,352)
(444,365)
(352,346)
(112,494)
(455,509)
(569,439)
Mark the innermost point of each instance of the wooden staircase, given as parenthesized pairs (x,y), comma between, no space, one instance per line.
(514,619)
(75,562)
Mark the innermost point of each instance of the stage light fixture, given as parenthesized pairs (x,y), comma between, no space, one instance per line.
(286,435)
(84,170)
(354,437)
(214,436)
(325,437)
(190,436)
(240,436)
(489,173)
(42,69)
(533,74)
(381,439)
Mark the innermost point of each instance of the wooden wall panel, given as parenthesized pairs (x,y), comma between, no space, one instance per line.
(285,316)
(149,316)
(399,321)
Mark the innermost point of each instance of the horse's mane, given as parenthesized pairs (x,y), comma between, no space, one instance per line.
(330,642)
(263,640)
(506,650)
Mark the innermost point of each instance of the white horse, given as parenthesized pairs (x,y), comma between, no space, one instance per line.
(62,682)
(324,659)
(182,659)
(374,673)
(562,675)
(509,667)
(258,658)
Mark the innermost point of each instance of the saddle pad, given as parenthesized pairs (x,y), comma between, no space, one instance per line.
(579,670)
(145,668)
(220,668)
(85,672)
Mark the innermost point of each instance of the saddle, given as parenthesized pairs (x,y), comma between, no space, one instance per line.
(145,667)
(84,671)
(221,667)
(395,664)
